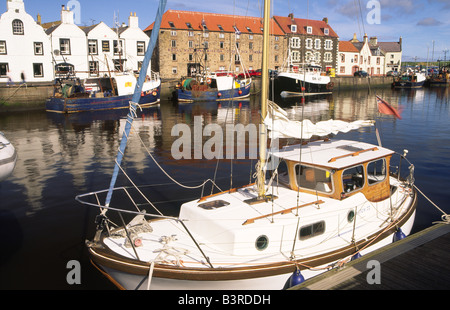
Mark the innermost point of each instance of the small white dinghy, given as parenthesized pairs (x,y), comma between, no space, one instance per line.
(8,157)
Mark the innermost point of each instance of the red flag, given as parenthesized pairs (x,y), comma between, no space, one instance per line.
(386,108)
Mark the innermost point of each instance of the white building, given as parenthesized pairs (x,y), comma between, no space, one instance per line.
(136,42)
(361,56)
(68,46)
(24,47)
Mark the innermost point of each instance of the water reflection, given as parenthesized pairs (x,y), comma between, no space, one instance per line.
(78,150)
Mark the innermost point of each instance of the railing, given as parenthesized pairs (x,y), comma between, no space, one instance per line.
(96,195)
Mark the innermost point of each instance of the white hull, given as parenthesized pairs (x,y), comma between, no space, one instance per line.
(8,158)
(137,282)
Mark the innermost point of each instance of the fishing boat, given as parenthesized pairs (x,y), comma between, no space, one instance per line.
(216,86)
(101,93)
(410,79)
(324,202)
(8,157)
(302,80)
(442,79)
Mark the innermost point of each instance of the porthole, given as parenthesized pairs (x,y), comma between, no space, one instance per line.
(262,243)
(351,216)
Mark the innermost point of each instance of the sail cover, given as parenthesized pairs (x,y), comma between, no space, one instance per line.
(281,126)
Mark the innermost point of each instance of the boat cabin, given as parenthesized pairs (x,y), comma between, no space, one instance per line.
(336,169)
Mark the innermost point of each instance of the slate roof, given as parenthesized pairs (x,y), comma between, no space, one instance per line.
(318,26)
(181,20)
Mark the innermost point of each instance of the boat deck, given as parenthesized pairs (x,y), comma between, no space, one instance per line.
(418,262)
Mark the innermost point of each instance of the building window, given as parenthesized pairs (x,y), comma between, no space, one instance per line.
(250,37)
(295,55)
(93,68)
(342,69)
(38,70)
(308,43)
(378,60)
(17,27)
(173,33)
(309,29)
(250,57)
(221,35)
(222,57)
(92,47)
(173,43)
(118,64)
(206,34)
(317,44)
(309,57)
(118,47)
(189,26)
(295,42)
(105,47)
(327,57)
(190,33)
(250,45)
(317,57)
(342,57)
(4,69)
(38,48)
(293,28)
(174,57)
(140,48)
(326,31)
(221,44)
(277,38)
(64,46)
(191,57)
(328,44)
(191,44)
(3,50)
(174,70)
(276,58)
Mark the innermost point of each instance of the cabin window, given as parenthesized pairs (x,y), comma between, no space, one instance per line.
(376,171)
(212,205)
(262,243)
(353,178)
(313,178)
(283,174)
(312,230)
(17,27)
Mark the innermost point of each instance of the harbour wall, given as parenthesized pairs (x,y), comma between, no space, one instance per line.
(32,96)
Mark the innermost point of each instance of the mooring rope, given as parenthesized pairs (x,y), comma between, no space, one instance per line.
(445,217)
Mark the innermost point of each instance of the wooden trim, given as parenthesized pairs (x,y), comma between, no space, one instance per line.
(101,255)
(352,154)
(282,212)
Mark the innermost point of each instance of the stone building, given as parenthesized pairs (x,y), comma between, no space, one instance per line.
(310,41)
(188,40)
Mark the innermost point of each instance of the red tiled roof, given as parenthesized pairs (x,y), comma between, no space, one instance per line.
(347,46)
(178,20)
(318,26)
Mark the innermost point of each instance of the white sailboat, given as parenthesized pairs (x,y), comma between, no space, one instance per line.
(8,157)
(325,202)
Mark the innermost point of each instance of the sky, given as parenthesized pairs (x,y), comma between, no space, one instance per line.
(424,25)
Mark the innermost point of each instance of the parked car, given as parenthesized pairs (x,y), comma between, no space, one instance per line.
(392,73)
(360,73)
(272,73)
(249,73)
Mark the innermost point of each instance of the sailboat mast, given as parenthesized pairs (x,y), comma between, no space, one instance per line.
(264,96)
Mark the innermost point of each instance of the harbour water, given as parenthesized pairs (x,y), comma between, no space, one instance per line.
(43,227)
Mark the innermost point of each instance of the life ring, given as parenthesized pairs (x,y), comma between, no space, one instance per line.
(330,85)
(208,80)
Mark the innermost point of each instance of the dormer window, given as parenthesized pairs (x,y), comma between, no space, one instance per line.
(189,26)
(293,28)
(17,27)
(236,30)
(326,31)
(309,30)
(172,25)
(220,27)
(249,30)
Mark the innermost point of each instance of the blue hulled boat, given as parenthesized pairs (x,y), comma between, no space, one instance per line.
(103,93)
(213,87)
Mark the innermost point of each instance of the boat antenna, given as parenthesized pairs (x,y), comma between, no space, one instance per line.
(134,103)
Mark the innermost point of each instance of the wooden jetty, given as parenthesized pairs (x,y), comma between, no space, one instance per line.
(418,262)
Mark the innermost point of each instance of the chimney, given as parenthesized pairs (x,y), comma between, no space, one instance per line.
(291,15)
(373,41)
(66,16)
(354,40)
(133,21)
(400,41)
(325,19)
(39,19)
(366,38)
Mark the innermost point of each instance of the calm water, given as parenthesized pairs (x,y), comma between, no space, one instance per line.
(43,227)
